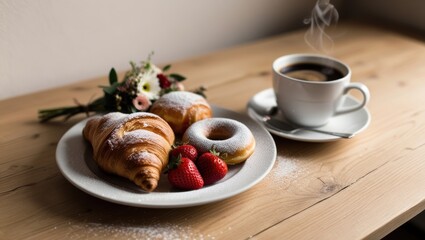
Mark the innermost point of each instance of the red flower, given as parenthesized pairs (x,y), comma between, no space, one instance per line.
(163,81)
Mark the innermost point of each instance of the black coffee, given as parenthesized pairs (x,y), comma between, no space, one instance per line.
(312,72)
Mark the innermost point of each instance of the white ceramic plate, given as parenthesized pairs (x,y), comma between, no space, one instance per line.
(74,158)
(353,122)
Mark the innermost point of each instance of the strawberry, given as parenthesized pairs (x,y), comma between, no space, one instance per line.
(187,151)
(183,174)
(211,167)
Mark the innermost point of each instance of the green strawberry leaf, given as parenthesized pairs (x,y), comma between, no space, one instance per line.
(173,163)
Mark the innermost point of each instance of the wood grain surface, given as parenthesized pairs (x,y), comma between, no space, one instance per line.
(363,187)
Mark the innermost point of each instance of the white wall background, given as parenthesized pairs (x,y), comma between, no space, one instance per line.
(48,43)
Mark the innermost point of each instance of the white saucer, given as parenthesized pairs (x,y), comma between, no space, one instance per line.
(353,122)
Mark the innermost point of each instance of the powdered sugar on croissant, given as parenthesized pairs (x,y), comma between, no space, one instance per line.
(134,146)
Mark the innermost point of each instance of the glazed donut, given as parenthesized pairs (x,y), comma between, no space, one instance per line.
(232,139)
(181,109)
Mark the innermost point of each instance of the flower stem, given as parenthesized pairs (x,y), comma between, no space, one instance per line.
(96,106)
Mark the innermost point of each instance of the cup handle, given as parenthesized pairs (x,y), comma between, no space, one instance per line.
(366,96)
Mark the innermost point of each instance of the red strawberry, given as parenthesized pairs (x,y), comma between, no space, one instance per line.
(187,151)
(211,167)
(184,175)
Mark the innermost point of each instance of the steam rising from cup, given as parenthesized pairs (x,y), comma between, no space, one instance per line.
(323,15)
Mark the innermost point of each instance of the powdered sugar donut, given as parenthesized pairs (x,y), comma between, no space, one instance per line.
(181,109)
(231,138)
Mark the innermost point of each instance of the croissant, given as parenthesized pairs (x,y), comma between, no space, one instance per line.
(134,146)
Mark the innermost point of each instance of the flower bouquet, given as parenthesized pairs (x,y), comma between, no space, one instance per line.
(141,86)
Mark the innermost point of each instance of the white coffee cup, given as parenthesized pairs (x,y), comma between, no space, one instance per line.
(313,103)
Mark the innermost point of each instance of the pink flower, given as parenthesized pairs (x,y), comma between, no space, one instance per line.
(179,86)
(141,102)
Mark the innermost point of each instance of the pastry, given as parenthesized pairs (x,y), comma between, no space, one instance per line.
(134,146)
(232,139)
(181,109)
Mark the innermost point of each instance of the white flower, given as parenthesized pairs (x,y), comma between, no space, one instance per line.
(148,84)
(155,69)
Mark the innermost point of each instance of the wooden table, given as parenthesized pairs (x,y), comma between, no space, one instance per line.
(364,187)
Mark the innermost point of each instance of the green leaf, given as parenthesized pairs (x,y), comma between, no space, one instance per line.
(147,65)
(113,77)
(111,89)
(166,68)
(200,91)
(178,77)
(133,66)
(133,109)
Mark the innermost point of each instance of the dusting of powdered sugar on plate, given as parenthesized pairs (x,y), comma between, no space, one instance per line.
(132,231)
(285,171)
